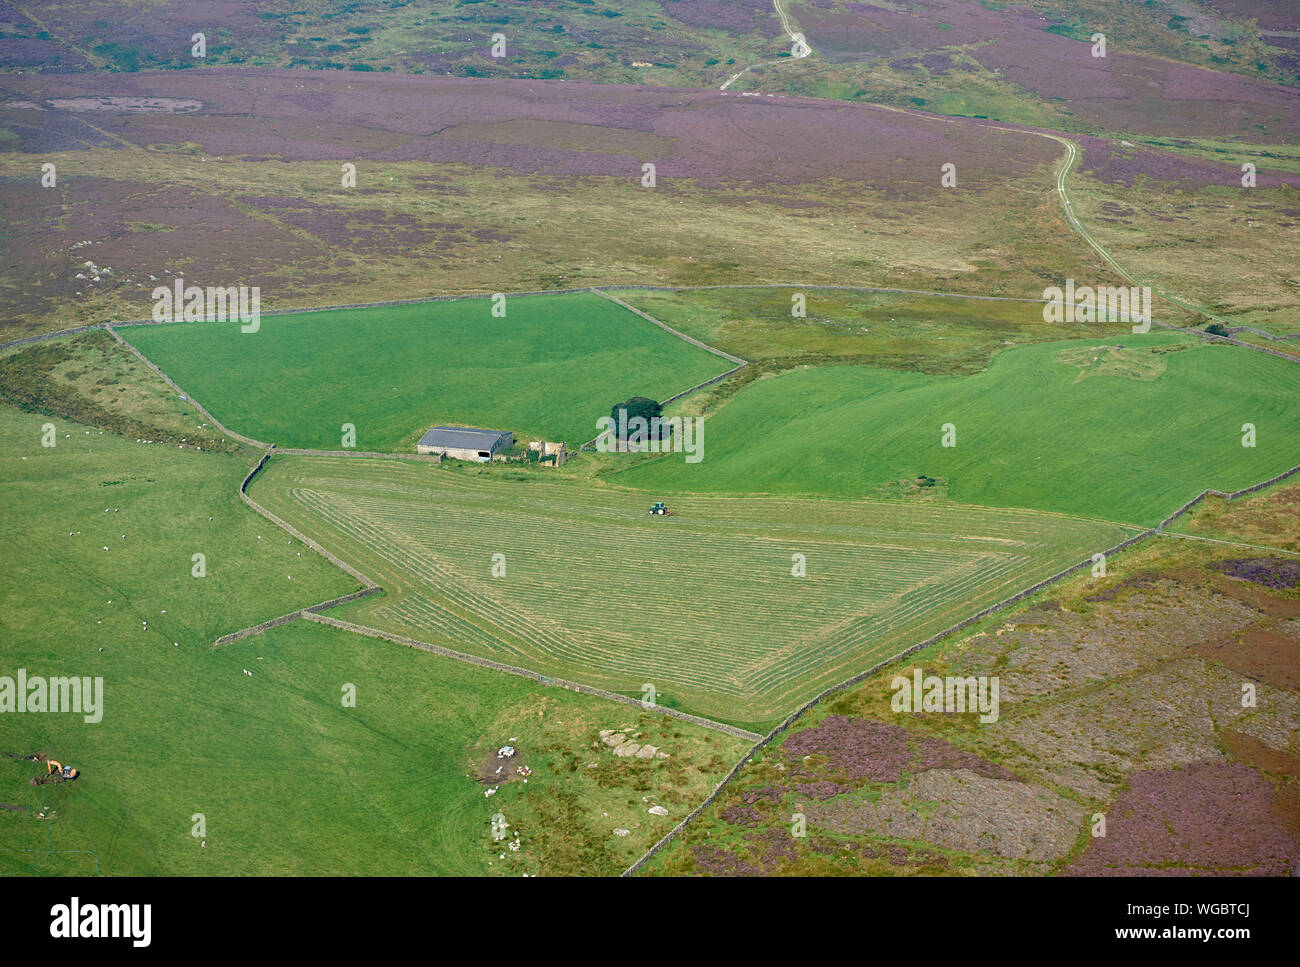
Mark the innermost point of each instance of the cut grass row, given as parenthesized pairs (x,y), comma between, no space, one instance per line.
(1120,608)
(703,605)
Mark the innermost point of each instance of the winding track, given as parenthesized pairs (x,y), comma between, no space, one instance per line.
(1071,154)
(795,38)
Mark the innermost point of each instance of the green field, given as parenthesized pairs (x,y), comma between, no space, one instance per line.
(1030,431)
(288,779)
(549,369)
(703,604)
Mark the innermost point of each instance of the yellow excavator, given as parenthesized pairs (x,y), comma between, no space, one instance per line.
(58,772)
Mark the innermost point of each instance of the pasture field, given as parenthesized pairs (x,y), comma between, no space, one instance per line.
(549,369)
(153,507)
(703,605)
(288,780)
(1031,430)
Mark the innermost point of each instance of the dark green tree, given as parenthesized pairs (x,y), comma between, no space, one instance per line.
(647,409)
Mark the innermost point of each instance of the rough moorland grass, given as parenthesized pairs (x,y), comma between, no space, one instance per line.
(578,41)
(1225,248)
(288,779)
(704,605)
(1270,518)
(94,379)
(926,334)
(550,368)
(1029,432)
(563,232)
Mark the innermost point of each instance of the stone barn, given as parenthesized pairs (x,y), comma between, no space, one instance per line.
(465,443)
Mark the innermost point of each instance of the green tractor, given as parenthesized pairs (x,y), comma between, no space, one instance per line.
(660,509)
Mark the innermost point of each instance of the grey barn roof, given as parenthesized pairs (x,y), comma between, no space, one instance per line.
(462,438)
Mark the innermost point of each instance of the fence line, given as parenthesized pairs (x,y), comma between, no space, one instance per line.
(336,561)
(46,336)
(699,386)
(526,673)
(370,587)
(1215,337)
(249,441)
(628,287)
(1233,330)
(667,328)
(740,363)
(419,457)
(292,616)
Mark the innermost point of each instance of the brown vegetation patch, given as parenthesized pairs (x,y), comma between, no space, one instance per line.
(715,861)
(742,816)
(1258,653)
(1140,580)
(857,749)
(822,789)
(492,770)
(770,794)
(1267,13)
(1272,572)
(1207,818)
(1258,598)
(775,847)
(1117,636)
(1251,751)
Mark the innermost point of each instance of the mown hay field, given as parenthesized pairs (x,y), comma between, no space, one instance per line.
(703,605)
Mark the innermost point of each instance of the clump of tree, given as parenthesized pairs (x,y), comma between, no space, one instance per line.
(1218,329)
(637,409)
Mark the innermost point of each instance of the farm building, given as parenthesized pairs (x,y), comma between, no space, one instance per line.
(465,443)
